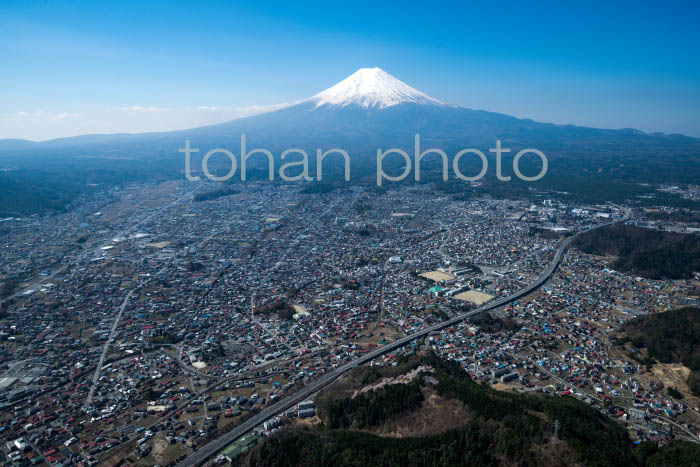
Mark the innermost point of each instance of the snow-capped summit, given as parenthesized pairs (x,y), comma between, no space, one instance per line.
(371,88)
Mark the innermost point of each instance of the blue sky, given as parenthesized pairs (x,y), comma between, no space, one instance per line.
(78,67)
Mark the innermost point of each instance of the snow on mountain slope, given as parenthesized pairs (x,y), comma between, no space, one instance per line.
(368,110)
(371,88)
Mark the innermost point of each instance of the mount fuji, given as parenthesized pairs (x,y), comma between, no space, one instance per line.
(371,88)
(368,110)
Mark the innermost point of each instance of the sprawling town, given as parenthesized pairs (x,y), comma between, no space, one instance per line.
(145,323)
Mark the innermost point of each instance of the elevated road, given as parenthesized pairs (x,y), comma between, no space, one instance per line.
(212,448)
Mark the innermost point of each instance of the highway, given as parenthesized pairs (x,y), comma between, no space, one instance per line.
(212,448)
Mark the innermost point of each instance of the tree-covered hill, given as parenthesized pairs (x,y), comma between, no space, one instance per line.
(501,429)
(670,337)
(650,253)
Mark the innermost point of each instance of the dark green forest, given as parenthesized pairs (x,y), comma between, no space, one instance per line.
(502,429)
(34,192)
(214,194)
(374,407)
(48,185)
(649,253)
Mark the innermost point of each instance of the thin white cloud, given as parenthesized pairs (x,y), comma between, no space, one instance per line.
(141,108)
(41,125)
(67,116)
(268,108)
(36,113)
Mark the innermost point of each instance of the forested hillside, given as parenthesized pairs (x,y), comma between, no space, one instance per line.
(649,253)
(670,337)
(501,429)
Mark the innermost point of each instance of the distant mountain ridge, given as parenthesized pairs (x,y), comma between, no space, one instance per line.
(370,108)
(367,111)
